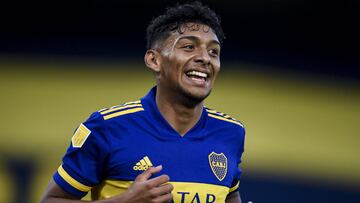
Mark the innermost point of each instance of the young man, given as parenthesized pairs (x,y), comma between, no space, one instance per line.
(166,147)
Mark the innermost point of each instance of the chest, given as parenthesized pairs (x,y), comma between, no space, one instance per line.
(209,160)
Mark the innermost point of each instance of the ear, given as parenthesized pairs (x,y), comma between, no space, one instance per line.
(152,60)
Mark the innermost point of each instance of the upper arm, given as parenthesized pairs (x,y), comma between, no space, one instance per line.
(233,198)
(55,191)
(83,164)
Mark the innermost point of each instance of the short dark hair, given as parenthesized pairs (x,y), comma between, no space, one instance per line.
(160,27)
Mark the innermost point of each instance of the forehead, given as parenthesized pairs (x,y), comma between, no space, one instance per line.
(193,30)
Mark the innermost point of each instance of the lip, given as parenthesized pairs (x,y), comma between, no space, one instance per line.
(197,82)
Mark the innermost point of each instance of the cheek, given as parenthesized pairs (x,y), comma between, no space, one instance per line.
(177,62)
(170,68)
(216,65)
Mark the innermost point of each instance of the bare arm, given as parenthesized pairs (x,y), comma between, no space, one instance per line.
(142,190)
(233,198)
(55,194)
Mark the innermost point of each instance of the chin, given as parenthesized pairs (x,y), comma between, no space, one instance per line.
(195,97)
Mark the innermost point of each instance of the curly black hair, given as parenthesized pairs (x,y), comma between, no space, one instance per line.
(161,27)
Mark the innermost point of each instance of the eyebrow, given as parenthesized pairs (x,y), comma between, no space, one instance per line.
(194,38)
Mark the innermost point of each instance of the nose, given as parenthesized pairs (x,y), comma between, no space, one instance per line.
(202,56)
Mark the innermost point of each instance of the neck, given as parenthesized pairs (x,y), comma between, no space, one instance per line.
(177,112)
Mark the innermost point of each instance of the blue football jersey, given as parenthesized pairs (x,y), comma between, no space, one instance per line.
(117,144)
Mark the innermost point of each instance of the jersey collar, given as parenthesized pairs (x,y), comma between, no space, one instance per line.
(161,124)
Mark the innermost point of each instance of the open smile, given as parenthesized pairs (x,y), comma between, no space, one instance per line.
(197,77)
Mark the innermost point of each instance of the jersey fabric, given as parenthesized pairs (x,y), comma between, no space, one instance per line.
(115,145)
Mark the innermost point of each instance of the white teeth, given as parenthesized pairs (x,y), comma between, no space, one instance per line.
(196,73)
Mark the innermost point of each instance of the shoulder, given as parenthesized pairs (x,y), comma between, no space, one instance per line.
(222,122)
(121,111)
(220,117)
(97,128)
(104,118)
(228,127)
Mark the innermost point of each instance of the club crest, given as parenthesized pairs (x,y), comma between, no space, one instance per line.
(218,164)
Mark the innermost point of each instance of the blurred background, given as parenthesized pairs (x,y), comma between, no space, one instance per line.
(290,73)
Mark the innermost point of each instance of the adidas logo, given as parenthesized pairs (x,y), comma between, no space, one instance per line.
(143,164)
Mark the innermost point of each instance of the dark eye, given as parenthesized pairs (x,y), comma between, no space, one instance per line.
(188,47)
(214,52)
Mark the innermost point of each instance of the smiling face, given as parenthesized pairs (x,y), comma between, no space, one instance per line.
(189,61)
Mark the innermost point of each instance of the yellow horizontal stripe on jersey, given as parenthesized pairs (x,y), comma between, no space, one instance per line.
(211,111)
(72,181)
(110,188)
(227,116)
(219,113)
(235,187)
(133,102)
(124,104)
(224,119)
(119,108)
(183,191)
(120,113)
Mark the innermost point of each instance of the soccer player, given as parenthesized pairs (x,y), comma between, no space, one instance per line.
(167,146)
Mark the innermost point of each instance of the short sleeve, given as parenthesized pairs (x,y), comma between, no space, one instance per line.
(82,165)
(235,185)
